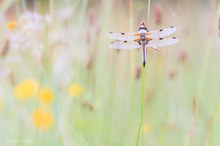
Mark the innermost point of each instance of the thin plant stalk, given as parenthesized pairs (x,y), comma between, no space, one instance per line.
(51,8)
(140,128)
(148,12)
(23,5)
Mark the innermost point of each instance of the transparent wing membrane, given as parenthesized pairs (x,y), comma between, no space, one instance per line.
(156,39)
(123,36)
(124,45)
(156,34)
(162,42)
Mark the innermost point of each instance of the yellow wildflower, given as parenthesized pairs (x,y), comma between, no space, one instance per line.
(25,89)
(46,95)
(76,90)
(11,25)
(147,128)
(42,119)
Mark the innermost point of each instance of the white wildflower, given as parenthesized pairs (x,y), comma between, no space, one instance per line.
(29,35)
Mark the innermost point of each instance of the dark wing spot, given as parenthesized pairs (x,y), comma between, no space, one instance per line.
(122,33)
(171,26)
(161,29)
(174,37)
(110,32)
(160,38)
(112,42)
(125,41)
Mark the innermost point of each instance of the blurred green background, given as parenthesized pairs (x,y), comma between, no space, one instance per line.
(60,84)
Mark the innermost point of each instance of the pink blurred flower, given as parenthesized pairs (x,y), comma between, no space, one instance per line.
(157,14)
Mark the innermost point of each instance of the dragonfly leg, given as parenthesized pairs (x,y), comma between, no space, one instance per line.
(157,49)
(138,40)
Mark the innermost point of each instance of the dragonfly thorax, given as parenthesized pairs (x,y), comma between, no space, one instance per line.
(142,37)
(142,30)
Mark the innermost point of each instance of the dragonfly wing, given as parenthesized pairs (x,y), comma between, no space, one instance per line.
(123,36)
(162,42)
(125,45)
(156,34)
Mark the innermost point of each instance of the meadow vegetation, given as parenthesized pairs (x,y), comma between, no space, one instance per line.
(61,85)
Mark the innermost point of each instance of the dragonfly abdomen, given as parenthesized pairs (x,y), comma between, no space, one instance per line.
(143,52)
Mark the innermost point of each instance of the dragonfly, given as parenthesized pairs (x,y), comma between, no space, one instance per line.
(144,39)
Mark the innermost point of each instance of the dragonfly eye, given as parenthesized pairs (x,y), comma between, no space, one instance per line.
(143,28)
(146,29)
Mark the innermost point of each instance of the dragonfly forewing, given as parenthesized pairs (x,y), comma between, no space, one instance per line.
(123,36)
(160,33)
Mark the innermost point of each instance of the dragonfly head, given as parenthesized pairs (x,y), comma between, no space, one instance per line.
(143,24)
(142,28)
